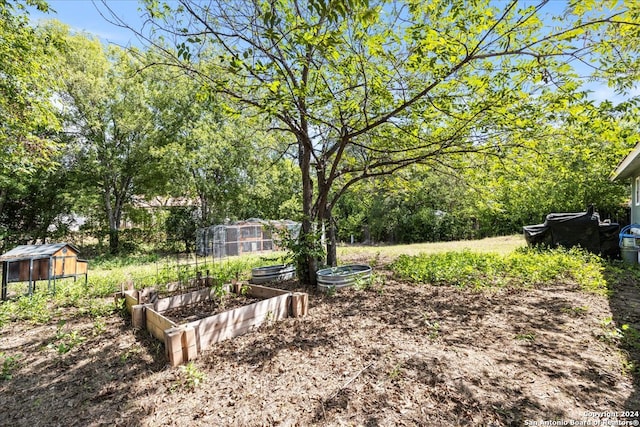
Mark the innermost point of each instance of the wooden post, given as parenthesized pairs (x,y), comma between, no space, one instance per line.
(31,286)
(137,316)
(299,304)
(173,346)
(189,344)
(5,279)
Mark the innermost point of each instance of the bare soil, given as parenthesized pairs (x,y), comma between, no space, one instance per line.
(396,354)
(202,309)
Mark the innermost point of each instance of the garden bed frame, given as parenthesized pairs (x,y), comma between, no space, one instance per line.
(183,342)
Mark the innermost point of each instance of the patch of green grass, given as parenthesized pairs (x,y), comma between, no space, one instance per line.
(9,365)
(92,298)
(528,337)
(396,373)
(191,377)
(500,245)
(575,311)
(35,309)
(524,267)
(433,328)
(64,340)
(630,336)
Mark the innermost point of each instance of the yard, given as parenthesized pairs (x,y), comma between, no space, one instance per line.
(392,353)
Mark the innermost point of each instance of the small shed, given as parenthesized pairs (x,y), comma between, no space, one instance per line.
(31,263)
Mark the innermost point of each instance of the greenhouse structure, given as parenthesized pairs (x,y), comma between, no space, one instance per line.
(241,237)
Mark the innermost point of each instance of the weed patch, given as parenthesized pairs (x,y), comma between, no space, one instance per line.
(524,267)
(9,365)
(64,340)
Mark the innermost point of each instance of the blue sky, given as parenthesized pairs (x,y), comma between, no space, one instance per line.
(84,15)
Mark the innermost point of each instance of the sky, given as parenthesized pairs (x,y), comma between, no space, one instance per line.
(84,15)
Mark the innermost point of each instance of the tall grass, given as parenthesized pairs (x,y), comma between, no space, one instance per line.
(524,267)
(93,298)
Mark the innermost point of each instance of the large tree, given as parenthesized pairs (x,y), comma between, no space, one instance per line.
(227,161)
(365,88)
(107,113)
(27,114)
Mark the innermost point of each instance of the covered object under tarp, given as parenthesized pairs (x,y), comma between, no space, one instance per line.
(582,229)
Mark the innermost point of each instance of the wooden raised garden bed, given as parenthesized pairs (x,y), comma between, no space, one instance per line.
(185,340)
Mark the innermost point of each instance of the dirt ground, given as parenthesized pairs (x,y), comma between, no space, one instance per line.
(394,355)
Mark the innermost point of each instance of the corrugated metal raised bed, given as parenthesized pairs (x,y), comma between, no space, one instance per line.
(339,277)
(272,272)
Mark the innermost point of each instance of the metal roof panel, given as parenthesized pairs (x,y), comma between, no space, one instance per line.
(35,251)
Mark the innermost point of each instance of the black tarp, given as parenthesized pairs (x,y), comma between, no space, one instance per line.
(582,229)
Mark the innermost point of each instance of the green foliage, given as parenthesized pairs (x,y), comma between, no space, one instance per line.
(26,111)
(564,170)
(452,268)
(34,309)
(300,249)
(415,205)
(624,334)
(630,336)
(443,83)
(433,328)
(99,325)
(528,337)
(331,291)
(168,270)
(181,226)
(522,268)
(43,306)
(65,341)
(191,377)
(110,262)
(9,365)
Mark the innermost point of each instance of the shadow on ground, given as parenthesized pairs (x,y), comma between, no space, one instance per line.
(624,283)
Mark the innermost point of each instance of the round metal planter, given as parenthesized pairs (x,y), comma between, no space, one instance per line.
(339,277)
(271,273)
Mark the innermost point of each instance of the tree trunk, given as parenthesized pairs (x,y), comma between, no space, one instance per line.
(3,198)
(332,254)
(114,222)
(306,260)
(114,241)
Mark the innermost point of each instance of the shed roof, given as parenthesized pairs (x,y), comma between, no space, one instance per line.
(35,251)
(629,166)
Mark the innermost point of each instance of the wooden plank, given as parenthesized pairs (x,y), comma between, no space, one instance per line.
(82,267)
(130,299)
(189,344)
(165,304)
(264,292)
(173,346)
(137,316)
(235,322)
(299,304)
(157,323)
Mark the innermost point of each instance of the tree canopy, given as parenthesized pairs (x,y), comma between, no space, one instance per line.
(27,116)
(391,120)
(364,88)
